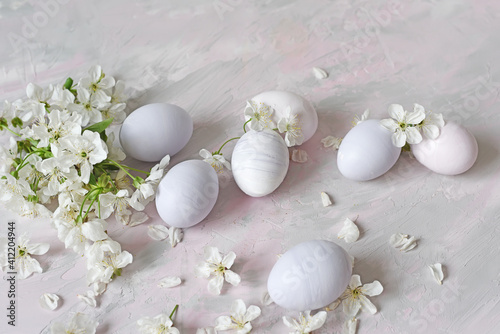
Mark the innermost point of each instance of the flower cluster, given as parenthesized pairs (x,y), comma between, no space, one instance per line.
(407,127)
(62,148)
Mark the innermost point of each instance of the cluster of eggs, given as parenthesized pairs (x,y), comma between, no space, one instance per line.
(312,274)
(367,151)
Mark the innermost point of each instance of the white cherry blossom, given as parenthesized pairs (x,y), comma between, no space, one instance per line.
(290,125)
(217,267)
(160,324)
(240,319)
(79,323)
(404,124)
(97,83)
(355,298)
(260,116)
(24,263)
(432,124)
(360,119)
(305,323)
(217,161)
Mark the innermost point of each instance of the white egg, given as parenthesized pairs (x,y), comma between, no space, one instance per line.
(280,100)
(187,193)
(367,151)
(309,276)
(152,131)
(260,162)
(453,152)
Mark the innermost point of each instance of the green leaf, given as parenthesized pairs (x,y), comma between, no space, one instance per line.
(92,180)
(17,122)
(68,84)
(99,127)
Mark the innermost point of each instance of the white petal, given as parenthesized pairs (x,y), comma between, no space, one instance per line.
(319,73)
(299,156)
(205,154)
(417,108)
(49,301)
(351,307)
(397,112)
(99,288)
(94,230)
(232,277)
(409,244)
(290,323)
(138,218)
(175,235)
(266,299)
(228,260)
(372,289)
(212,255)
(88,298)
(169,282)
(350,326)
(325,199)
(398,240)
(399,138)
(355,281)
(417,116)
(367,305)
(437,272)
(252,313)
(317,321)
(238,307)
(389,124)
(38,249)
(331,141)
(223,323)
(431,131)
(413,135)
(350,232)
(157,232)
(333,305)
(123,259)
(404,242)
(215,284)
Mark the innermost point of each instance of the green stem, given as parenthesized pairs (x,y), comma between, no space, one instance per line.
(173,311)
(245,125)
(227,141)
(85,199)
(125,168)
(86,213)
(12,131)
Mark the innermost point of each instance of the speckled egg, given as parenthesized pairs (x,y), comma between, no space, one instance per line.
(280,100)
(310,275)
(152,131)
(187,193)
(367,151)
(260,162)
(453,152)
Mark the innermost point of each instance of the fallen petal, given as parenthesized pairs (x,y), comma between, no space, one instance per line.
(331,141)
(333,305)
(299,156)
(88,298)
(349,232)
(169,282)
(325,199)
(350,326)
(49,301)
(158,232)
(175,235)
(320,73)
(437,272)
(266,299)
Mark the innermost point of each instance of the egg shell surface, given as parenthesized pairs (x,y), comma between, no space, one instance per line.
(187,193)
(152,131)
(453,152)
(280,100)
(367,152)
(311,275)
(260,162)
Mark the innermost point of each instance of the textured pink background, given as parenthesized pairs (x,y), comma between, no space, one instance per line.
(209,57)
